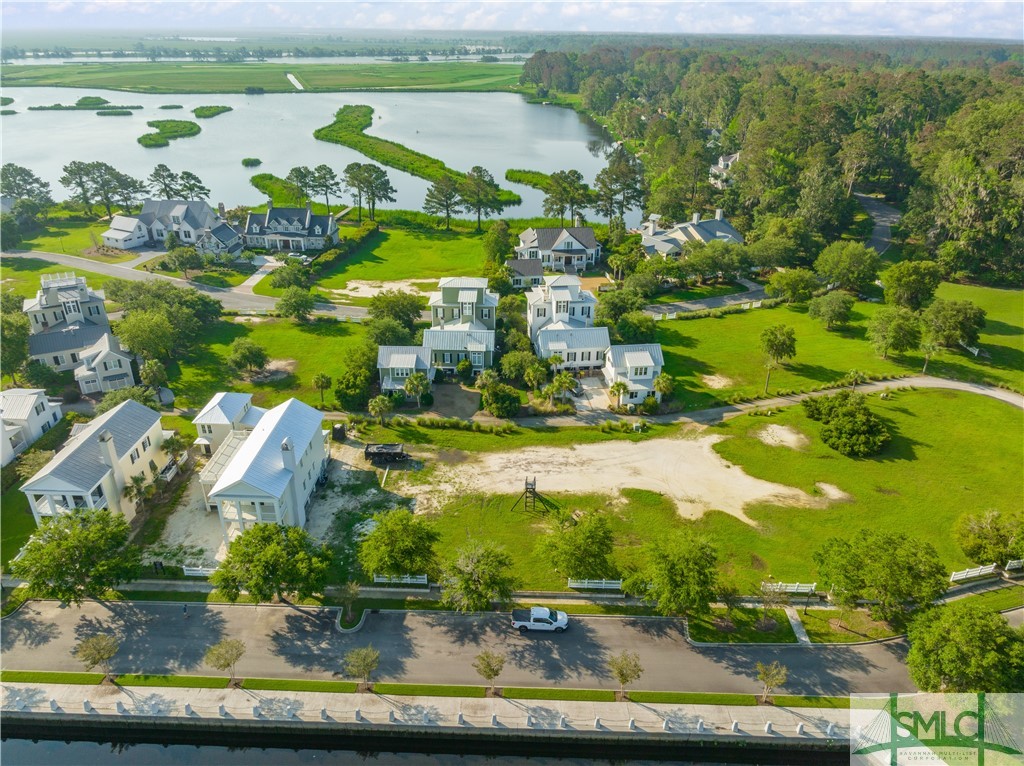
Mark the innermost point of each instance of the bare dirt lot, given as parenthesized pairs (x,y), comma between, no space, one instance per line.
(782,436)
(358,288)
(688,471)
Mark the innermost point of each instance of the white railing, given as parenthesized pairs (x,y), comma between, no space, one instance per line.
(1013,566)
(198,571)
(970,574)
(595,584)
(402,580)
(799,588)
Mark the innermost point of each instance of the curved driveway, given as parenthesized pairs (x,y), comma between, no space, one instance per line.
(432,647)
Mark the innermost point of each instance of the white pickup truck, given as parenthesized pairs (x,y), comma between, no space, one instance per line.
(539,618)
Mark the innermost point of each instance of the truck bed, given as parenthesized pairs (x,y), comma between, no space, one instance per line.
(520,615)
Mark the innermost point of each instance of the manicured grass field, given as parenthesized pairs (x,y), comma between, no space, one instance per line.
(745,630)
(16,522)
(693,698)
(44,677)
(317,346)
(215,277)
(430,690)
(21,274)
(168,77)
(729,346)
(73,238)
(696,292)
(296,685)
(822,626)
(951,452)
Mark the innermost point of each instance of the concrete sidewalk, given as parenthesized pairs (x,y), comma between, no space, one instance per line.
(379,709)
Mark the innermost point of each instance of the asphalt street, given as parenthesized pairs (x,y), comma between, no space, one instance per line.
(431,647)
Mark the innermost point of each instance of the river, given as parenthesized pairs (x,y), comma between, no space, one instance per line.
(497,131)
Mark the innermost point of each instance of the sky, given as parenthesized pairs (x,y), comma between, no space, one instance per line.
(999,19)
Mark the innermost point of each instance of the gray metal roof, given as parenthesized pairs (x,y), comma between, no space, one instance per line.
(550,340)
(462,282)
(77,336)
(78,465)
(405,357)
(223,408)
(620,355)
(17,403)
(457,337)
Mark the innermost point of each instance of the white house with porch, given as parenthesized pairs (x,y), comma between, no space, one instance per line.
(26,414)
(290,228)
(268,474)
(569,249)
(194,222)
(98,461)
(396,363)
(105,366)
(224,413)
(636,365)
(671,241)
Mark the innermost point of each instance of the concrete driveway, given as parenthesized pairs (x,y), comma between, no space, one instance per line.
(595,395)
(431,647)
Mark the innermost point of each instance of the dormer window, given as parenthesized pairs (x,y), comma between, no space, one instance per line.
(317,229)
(640,372)
(467,309)
(175,219)
(255,228)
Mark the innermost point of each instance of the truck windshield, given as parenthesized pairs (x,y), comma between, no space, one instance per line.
(552,615)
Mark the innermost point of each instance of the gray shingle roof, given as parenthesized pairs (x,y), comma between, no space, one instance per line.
(545,238)
(79,465)
(526,267)
(77,336)
(280,219)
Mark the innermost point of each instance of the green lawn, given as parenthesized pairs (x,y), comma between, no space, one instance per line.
(948,450)
(823,626)
(693,698)
(402,254)
(167,77)
(222,276)
(183,682)
(430,690)
(22,274)
(45,677)
(696,292)
(744,630)
(555,693)
(1004,598)
(295,685)
(73,238)
(312,347)
(694,348)
(16,523)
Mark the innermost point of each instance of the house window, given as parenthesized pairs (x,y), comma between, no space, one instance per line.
(146,443)
(57,316)
(316,229)
(175,219)
(401,372)
(255,228)
(113,364)
(639,372)
(439,313)
(585,311)
(570,356)
(485,313)
(159,232)
(135,455)
(39,408)
(600,356)
(46,426)
(467,309)
(78,501)
(584,356)
(58,360)
(455,314)
(477,358)
(94,310)
(447,357)
(74,358)
(561,307)
(55,417)
(632,394)
(541,313)
(186,234)
(572,311)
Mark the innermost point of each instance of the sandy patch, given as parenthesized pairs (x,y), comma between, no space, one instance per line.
(192,525)
(833,493)
(716,381)
(249,320)
(782,436)
(346,469)
(276,369)
(359,288)
(688,471)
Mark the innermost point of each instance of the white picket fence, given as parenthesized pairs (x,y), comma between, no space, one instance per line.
(1013,566)
(595,584)
(402,580)
(988,570)
(198,571)
(796,588)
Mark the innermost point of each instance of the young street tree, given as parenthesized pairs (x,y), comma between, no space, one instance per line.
(489,665)
(771,677)
(678,575)
(479,575)
(361,663)
(778,343)
(224,655)
(271,560)
(626,668)
(443,199)
(348,594)
(961,648)
(185,259)
(97,650)
(478,193)
(400,544)
(322,382)
(78,555)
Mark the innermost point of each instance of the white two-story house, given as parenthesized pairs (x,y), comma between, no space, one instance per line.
(462,319)
(570,249)
(290,228)
(636,365)
(70,331)
(196,223)
(224,413)
(96,463)
(26,414)
(268,474)
(560,316)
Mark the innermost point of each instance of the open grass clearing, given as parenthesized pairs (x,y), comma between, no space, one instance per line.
(22,273)
(696,292)
(74,238)
(824,627)
(741,626)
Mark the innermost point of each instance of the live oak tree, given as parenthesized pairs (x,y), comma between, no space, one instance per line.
(911,284)
(793,285)
(78,555)
(991,537)
(185,259)
(626,668)
(224,655)
(678,574)
(401,306)
(348,594)
(833,309)
(778,343)
(443,199)
(149,334)
(894,328)
(97,650)
(269,560)
(296,302)
(960,648)
(850,265)
(386,331)
(479,575)
(951,323)
(840,566)
(579,548)
(245,354)
(400,544)
(489,665)
(478,193)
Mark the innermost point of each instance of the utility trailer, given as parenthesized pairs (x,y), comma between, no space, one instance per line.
(385,453)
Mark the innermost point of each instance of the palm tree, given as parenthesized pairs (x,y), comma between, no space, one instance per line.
(321,382)
(561,384)
(618,389)
(417,385)
(929,348)
(535,375)
(380,406)
(663,384)
(173,445)
(486,379)
(555,361)
(136,489)
(856,377)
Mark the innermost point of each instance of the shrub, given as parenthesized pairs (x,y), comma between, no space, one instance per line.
(70,395)
(115,113)
(171,106)
(427,400)
(849,427)
(167,131)
(649,406)
(464,370)
(210,111)
(251,162)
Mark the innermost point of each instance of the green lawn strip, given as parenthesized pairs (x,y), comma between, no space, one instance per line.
(696,292)
(918,485)
(349,129)
(823,627)
(184,682)
(16,523)
(47,677)
(745,620)
(430,690)
(196,597)
(214,77)
(181,424)
(693,698)
(13,600)
(544,693)
(297,685)
(214,277)
(73,238)
(1011,597)
(803,700)
(167,131)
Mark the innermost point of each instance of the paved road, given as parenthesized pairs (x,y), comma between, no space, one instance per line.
(419,647)
(884,216)
(232,299)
